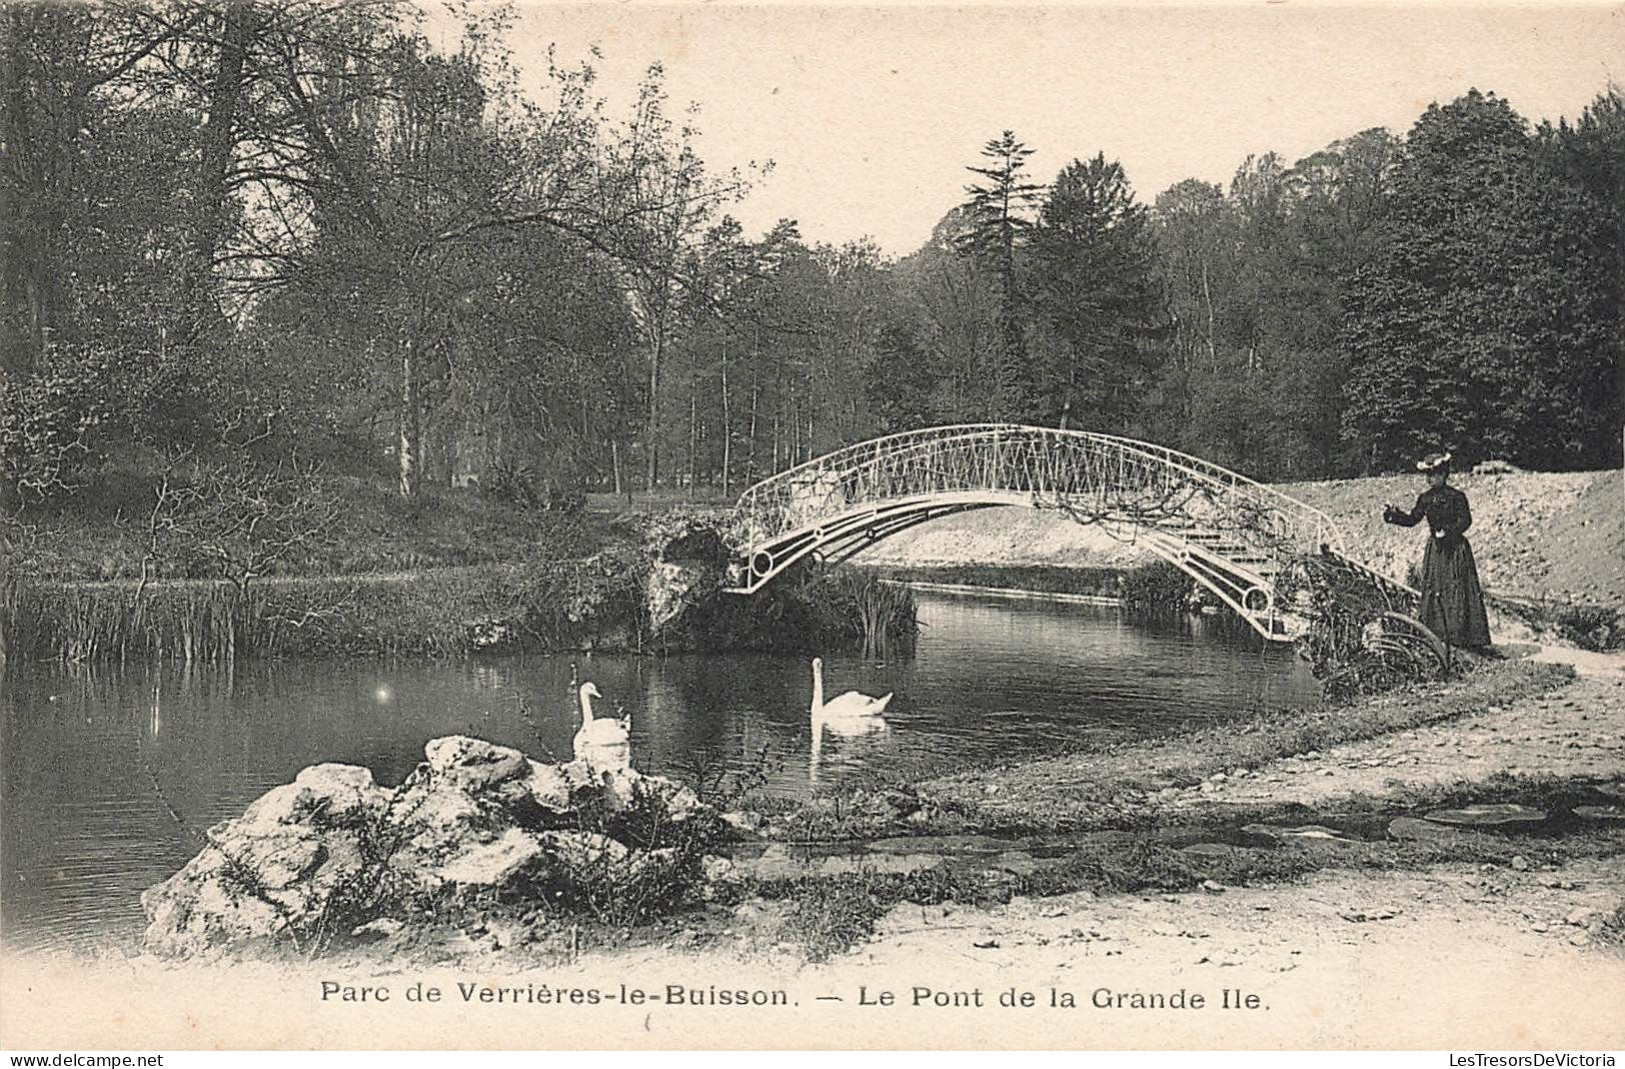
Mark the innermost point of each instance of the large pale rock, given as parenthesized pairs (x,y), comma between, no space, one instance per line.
(325,795)
(436,819)
(494,864)
(256,882)
(555,787)
(474,764)
(670,589)
(332,849)
(625,787)
(280,858)
(581,850)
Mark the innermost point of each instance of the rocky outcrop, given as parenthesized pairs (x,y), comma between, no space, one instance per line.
(333,852)
(688,565)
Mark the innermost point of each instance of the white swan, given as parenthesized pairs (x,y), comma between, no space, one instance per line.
(844,728)
(604,744)
(849,706)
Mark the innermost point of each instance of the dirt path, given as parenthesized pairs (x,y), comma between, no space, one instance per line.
(1576,731)
(1456,957)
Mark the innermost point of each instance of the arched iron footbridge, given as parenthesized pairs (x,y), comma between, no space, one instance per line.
(1232,535)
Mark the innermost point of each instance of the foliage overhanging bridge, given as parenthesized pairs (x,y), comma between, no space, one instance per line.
(1230,534)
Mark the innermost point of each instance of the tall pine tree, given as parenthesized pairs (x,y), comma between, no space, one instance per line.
(1000,212)
(1093,289)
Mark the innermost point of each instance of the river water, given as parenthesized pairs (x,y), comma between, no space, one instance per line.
(99,761)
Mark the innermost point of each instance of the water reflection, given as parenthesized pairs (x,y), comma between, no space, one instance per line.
(96,759)
(842,731)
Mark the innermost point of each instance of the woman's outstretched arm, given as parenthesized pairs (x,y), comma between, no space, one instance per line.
(1403,518)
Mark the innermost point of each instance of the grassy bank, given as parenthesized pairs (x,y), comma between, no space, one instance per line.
(341,565)
(827,916)
(1040,578)
(588,604)
(1099,816)
(599,603)
(103,532)
(1115,787)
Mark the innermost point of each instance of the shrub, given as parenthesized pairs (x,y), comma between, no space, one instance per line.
(1157,588)
(647,864)
(512,482)
(46,424)
(1044,578)
(829,915)
(1591,627)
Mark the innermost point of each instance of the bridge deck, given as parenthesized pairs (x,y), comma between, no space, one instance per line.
(1229,533)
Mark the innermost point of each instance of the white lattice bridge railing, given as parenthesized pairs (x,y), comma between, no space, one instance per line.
(1229,533)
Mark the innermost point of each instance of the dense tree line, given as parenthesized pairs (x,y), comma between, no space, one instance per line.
(270,230)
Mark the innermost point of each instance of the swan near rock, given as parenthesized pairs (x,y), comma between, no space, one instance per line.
(605,744)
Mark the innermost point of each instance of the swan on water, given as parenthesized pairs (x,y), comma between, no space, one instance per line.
(605,744)
(848,706)
(848,715)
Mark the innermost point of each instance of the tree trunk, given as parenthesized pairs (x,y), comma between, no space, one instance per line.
(410,429)
(1207,296)
(750,455)
(693,419)
(653,431)
(209,224)
(793,415)
(727,427)
(18,345)
(35,160)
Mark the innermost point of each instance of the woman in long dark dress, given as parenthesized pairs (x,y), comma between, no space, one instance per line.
(1452,600)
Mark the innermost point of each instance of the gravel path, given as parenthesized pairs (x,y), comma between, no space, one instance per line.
(1576,731)
(1453,958)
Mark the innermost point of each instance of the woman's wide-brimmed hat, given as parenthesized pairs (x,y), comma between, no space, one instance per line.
(1434,462)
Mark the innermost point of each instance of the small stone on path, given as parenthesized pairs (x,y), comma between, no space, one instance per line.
(1500,815)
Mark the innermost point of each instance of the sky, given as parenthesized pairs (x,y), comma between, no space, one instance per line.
(870,114)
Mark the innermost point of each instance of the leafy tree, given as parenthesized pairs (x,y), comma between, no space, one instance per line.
(661,201)
(1485,322)
(1590,154)
(1091,269)
(1195,262)
(900,388)
(951,304)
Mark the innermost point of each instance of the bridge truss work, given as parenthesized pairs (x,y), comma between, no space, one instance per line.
(1232,535)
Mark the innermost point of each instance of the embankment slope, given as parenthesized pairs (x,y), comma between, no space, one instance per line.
(1535,535)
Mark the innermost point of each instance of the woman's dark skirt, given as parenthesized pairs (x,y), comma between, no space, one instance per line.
(1452,600)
